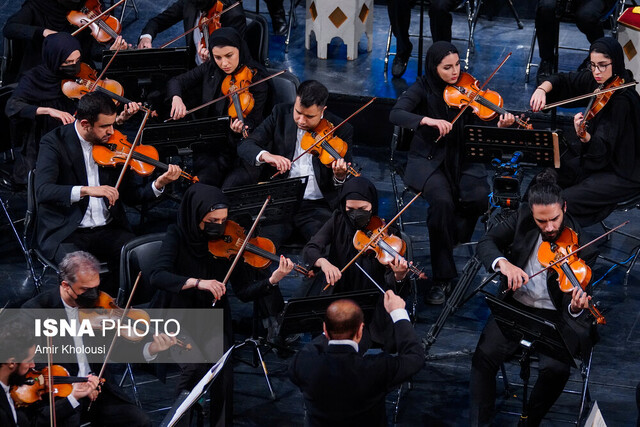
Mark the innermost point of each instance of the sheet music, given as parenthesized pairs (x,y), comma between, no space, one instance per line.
(595,417)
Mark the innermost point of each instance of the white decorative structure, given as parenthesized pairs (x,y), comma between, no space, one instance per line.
(346,19)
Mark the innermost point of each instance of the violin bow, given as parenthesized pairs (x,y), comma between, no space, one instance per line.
(197,25)
(375,236)
(113,340)
(331,132)
(588,95)
(473,97)
(558,261)
(206,104)
(133,146)
(52,403)
(244,244)
(97,17)
(104,70)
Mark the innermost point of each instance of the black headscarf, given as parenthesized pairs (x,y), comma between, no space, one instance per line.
(359,188)
(229,36)
(198,201)
(436,53)
(611,48)
(42,83)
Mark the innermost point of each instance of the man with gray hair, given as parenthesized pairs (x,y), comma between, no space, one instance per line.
(79,281)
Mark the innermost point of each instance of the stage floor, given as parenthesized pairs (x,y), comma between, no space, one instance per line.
(440,391)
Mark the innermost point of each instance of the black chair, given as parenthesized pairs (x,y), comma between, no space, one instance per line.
(400,142)
(6,142)
(583,392)
(257,37)
(11,61)
(284,87)
(625,206)
(138,255)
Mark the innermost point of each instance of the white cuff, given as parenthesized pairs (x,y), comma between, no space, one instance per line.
(74,402)
(495,263)
(337,181)
(156,192)
(399,314)
(147,356)
(258,161)
(75,193)
(572,313)
(146,36)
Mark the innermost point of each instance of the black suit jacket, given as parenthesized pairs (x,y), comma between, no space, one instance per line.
(515,239)
(185,11)
(6,416)
(59,168)
(278,134)
(343,388)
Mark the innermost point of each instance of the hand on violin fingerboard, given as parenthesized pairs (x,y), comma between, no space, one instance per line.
(173,173)
(84,389)
(400,268)
(339,169)
(203,53)
(129,110)
(238,126)
(578,125)
(161,342)
(284,268)
(579,300)
(506,120)
(119,42)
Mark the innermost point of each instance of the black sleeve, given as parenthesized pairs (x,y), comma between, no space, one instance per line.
(235,18)
(568,85)
(318,246)
(403,112)
(135,190)
(19,26)
(260,139)
(168,18)
(410,356)
(162,276)
(49,164)
(39,415)
(248,283)
(20,108)
(495,242)
(185,81)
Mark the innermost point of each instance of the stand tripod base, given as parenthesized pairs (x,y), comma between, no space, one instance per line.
(258,360)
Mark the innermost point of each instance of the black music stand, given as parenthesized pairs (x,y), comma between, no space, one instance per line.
(188,137)
(534,334)
(146,64)
(483,144)
(301,315)
(286,195)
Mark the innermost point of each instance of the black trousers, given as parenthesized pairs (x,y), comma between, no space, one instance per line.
(452,221)
(105,243)
(400,20)
(311,215)
(440,19)
(110,410)
(587,14)
(492,350)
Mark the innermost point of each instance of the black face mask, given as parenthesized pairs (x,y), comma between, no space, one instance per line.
(214,231)
(359,218)
(88,298)
(70,70)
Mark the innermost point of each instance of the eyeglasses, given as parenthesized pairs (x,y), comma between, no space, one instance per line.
(601,67)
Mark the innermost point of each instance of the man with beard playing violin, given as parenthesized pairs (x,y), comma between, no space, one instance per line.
(78,204)
(511,247)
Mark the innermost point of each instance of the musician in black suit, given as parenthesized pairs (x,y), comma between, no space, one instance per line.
(277,141)
(79,274)
(340,386)
(190,12)
(511,247)
(78,207)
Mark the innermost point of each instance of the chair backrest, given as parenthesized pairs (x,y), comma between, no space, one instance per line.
(284,88)
(30,216)
(257,37)
(11,60)
(138,255)
(5,123)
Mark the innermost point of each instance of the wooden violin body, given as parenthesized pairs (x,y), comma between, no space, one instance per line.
(243,102)
(597,103)
(104,30)
(330,149)
(84,82)
(259,252)
(209,23)
(572,272)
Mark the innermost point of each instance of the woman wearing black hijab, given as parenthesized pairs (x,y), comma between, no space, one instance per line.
(229,55)
(605,167)
(455,190)
(331,248)
(186,275)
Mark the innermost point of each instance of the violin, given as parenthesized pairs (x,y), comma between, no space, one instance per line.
(597,103)
(386,246)
(573,272)
(486,103)
(37,384)
(331,148)
(259,252)
(241,103)
(85,82)
(143,161)
(209,23)
(104,29)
